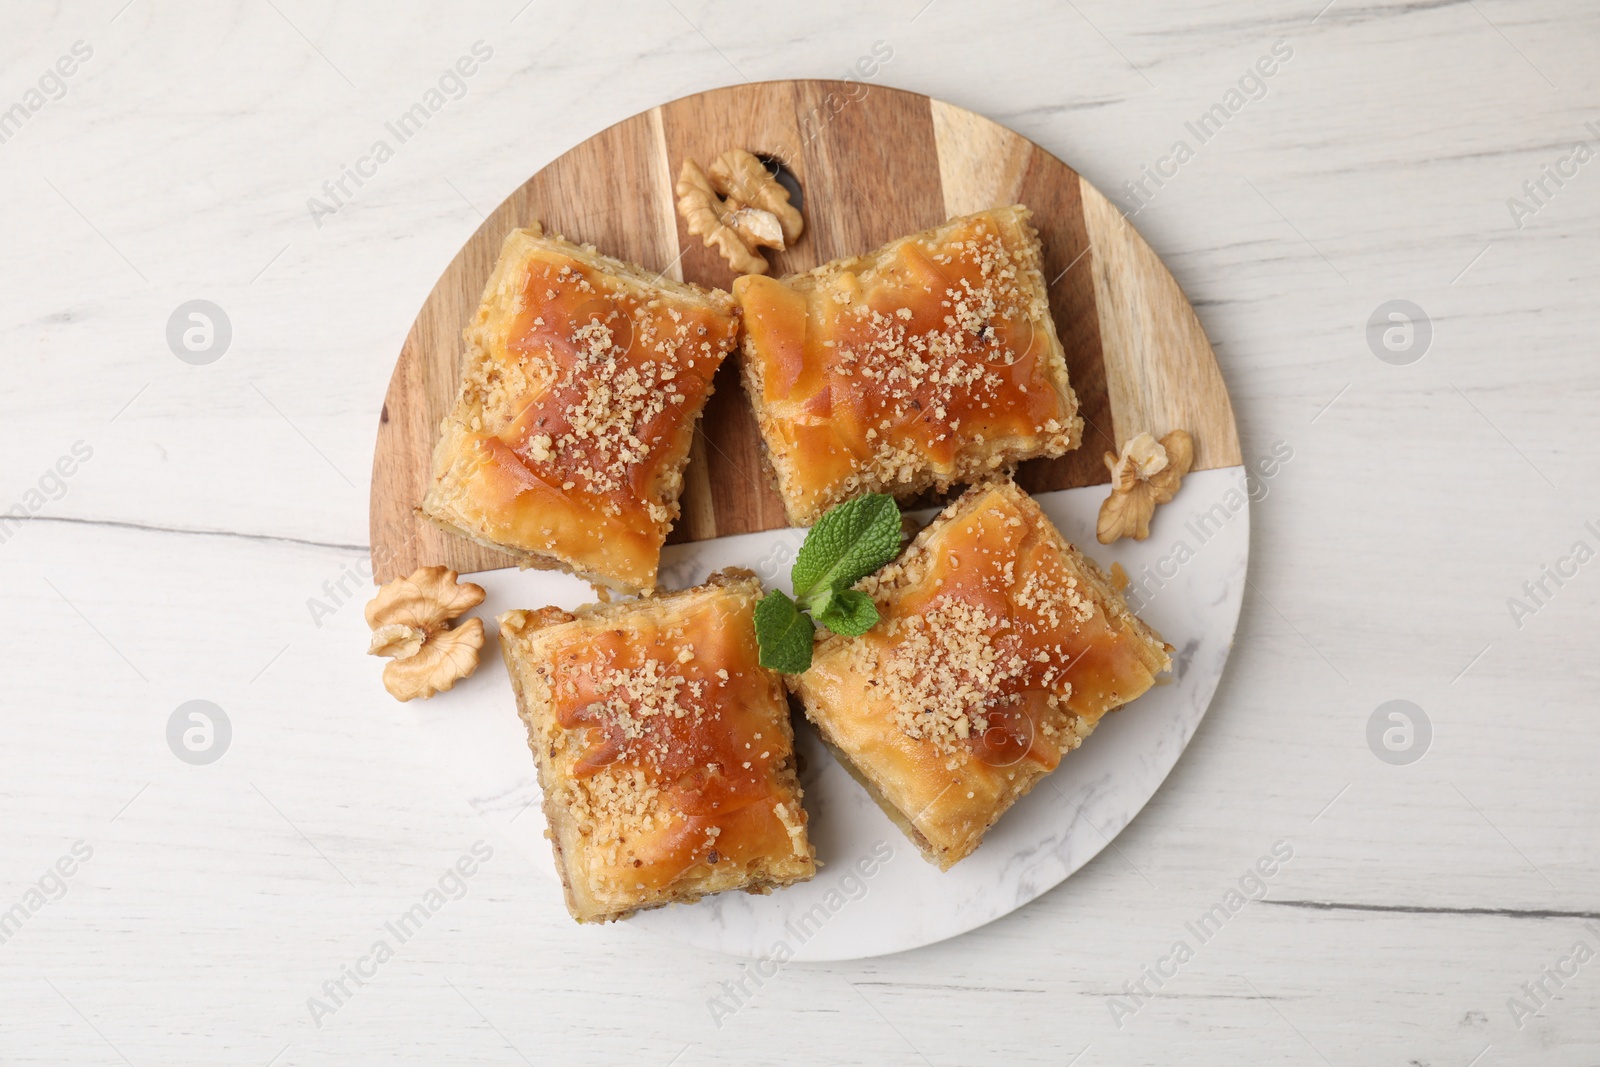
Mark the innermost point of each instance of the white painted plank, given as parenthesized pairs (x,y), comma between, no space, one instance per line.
(216,903)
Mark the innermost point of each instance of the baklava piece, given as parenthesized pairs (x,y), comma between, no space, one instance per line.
(999,648)
(930,362)
(583,380)
(663,747)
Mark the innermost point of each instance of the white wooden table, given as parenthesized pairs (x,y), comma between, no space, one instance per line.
(198,509)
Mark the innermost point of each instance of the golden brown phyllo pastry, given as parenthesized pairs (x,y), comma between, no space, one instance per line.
(664,749)
(999,648)
(583,379)
(930,362)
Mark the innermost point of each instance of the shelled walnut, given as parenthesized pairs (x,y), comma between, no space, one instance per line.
(737,207)
(410,619)
(1147,473)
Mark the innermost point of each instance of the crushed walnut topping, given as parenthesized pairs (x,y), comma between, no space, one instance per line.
(656,722)
(937,363)
(923,370)
(1045,593)
(944,669)
(995,619)
(588,396)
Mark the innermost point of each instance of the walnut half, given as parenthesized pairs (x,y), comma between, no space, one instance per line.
(737,207)
(410,619)
(1147,473)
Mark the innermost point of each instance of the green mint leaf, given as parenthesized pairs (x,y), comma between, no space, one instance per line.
(848,543)
(849,612)
(783,633)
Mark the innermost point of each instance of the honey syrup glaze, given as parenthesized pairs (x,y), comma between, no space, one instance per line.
(601,382)
(677,711)
(926,355)
(1006,628)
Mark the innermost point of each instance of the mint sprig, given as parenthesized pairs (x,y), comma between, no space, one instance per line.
(784,634)
(848,612)
(848,543)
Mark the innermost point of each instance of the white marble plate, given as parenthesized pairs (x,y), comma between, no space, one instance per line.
(876,894)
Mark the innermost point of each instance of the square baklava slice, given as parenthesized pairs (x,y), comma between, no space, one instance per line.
(930,362)
(998,649)
(583,379)
(663,747)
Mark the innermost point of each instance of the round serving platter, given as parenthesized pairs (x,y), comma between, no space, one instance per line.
(872,164)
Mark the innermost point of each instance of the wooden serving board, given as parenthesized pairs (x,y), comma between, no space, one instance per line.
(873,164)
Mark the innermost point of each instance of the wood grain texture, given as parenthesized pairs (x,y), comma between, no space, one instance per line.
(1068,258)
(873,164)
(1165,376)
(981,163)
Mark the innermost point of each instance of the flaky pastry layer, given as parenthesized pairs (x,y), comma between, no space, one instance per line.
(663,747)
(582,382)
(930,362)
(999,648)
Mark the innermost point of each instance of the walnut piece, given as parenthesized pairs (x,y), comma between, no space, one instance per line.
(741,177)
(704,214)
(737,208)
(1147,473)
(410,619)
